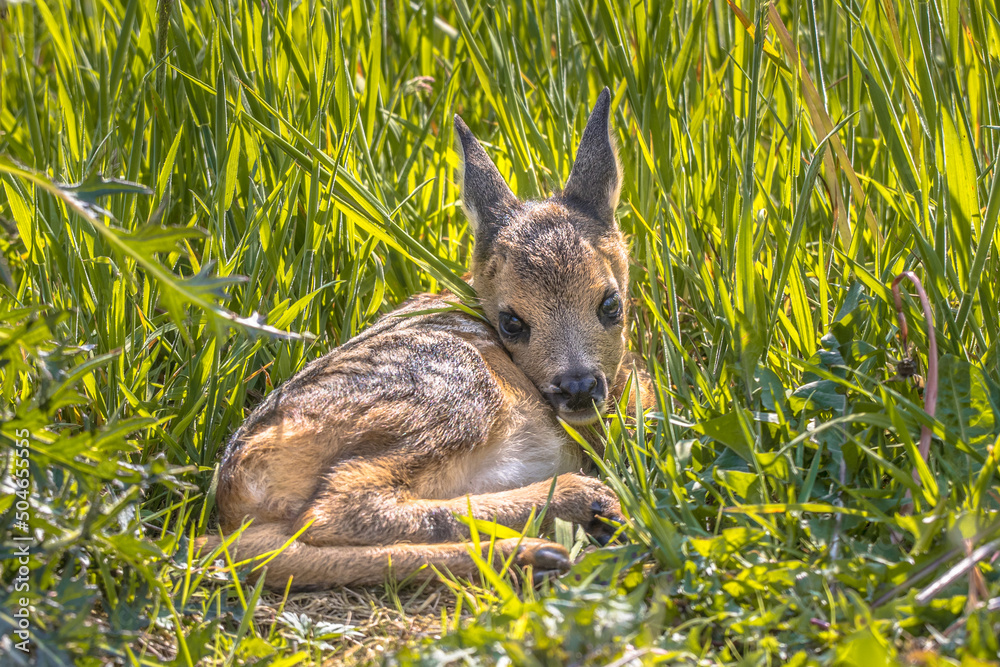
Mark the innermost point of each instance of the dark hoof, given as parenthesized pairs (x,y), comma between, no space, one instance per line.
(604,524)
(552,558)
(547,559)
(540,576)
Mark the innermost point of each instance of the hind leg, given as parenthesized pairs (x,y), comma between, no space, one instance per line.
(317,567)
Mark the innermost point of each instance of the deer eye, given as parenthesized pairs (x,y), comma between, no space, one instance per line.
(610,310)
(512,326)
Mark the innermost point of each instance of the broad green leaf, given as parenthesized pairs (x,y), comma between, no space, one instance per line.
(728,431)
(967,403)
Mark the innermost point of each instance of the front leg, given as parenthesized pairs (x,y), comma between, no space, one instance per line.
(366,503)
(577,498)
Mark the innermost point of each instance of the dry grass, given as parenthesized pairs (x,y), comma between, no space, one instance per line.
(385,620)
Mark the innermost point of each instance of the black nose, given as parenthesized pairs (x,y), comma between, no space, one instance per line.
(578,390)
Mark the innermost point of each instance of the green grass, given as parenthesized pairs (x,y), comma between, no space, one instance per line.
(782,164)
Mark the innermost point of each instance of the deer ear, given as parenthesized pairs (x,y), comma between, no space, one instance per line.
(486,197)
(595,181)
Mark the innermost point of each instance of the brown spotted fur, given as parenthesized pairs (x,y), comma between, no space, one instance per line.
(374,448)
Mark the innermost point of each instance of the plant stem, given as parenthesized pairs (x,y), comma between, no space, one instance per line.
(931,386)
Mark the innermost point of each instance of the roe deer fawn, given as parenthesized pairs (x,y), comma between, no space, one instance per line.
(375,447)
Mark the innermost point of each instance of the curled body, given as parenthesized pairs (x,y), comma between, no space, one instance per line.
(370,452)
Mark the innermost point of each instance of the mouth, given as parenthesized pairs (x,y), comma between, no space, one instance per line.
(584,417)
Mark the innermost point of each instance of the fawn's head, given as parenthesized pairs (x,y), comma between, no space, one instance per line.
(552,275)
